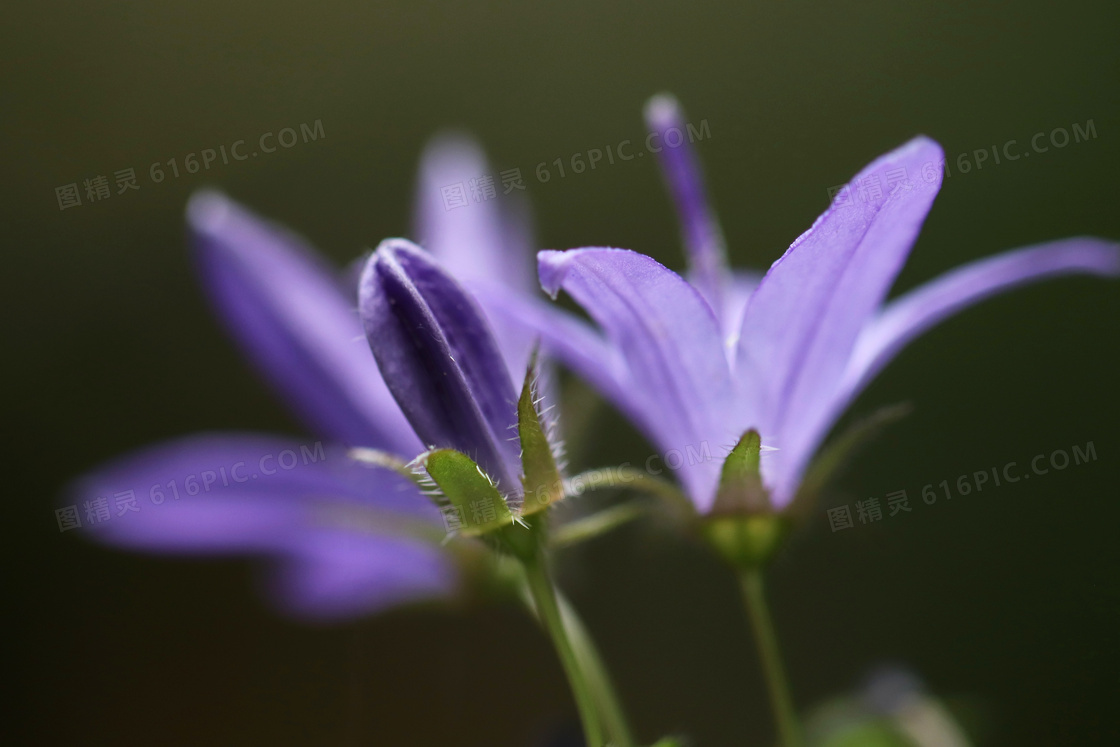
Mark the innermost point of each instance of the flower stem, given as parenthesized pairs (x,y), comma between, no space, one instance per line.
(544,598)
(754,598)
(614,718)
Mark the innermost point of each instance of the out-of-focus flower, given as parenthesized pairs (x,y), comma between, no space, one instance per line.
(893,709)
(345,539)
(696,364)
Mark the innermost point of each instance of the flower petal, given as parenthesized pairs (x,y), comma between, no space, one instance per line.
(738,286)
(910,315)
(801,323)
(670,341)
(237,493)
(439,359)
(289,312)
(329,575)
(475,240)
(258,495)
(700,229)
(485,246)
(570,339)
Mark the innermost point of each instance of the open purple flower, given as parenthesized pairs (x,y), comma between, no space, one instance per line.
(345,539)
(696,364)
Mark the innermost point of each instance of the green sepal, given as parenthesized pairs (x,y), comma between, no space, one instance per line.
(595,524)
(742,525)
(740,484)
(479,505)
(541,480)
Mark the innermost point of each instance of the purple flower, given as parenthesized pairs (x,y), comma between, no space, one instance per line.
(696,364)
(487,250)
(435,350)
(345,538)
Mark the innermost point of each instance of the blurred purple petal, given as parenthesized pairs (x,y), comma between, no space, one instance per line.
(703,238)
(475,240)
(910,315)
(289,312)
(250,493)
(328,575)
(439,359)
(487,245)
(282,499)
(670,340)
(738,286)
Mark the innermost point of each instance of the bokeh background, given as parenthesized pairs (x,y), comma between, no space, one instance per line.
(1006,602)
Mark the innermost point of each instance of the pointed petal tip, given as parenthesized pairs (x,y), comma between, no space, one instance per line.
(452,142)
(662,111)
(403,253)
(450,156)
(397,245)
(552,266)
(916,148)
(207,209)
(920,141)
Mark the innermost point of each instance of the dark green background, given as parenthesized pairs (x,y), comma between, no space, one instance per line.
(1008,602)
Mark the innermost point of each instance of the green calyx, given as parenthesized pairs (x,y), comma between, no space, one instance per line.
(743,526)
(746,541)
(475,505)
(740,484)
(541,480)
(475,508)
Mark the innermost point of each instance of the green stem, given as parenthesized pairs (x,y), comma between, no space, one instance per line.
(754,597)
(614,718)
(544,598)
(597,523)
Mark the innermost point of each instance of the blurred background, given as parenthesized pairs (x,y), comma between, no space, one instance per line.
(1006,602)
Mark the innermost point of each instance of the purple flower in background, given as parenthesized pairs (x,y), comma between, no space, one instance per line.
(695,364)
(486,249)
(345,538)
